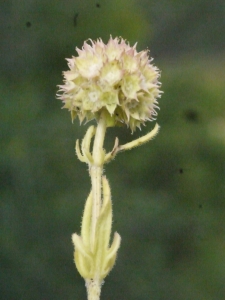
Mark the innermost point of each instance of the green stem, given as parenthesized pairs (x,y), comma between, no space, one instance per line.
(96,170)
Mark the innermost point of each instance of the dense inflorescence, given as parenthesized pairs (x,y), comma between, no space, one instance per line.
(113,77)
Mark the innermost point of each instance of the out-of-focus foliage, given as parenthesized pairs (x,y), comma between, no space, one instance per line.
(168,195)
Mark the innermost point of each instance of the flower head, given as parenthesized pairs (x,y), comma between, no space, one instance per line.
(113,77)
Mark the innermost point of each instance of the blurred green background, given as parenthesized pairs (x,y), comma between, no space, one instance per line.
(168,195)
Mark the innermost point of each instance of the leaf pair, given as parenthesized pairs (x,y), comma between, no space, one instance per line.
(94,258)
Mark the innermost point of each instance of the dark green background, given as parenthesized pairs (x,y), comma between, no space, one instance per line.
(168,195)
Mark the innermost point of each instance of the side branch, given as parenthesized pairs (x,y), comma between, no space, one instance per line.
(138,142)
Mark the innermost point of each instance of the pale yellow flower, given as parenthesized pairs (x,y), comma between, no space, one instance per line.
(113,77)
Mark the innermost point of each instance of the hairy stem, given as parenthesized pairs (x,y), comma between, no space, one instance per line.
(93,289)
(96,169)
